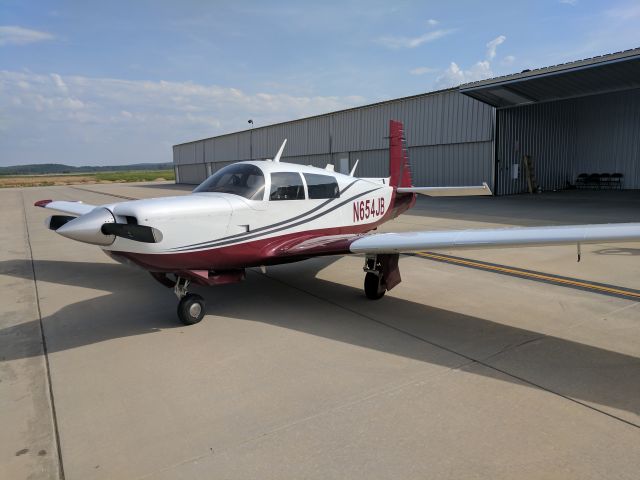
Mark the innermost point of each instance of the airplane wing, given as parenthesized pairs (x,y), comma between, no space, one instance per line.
(491,238)
(74,208)
(448,191)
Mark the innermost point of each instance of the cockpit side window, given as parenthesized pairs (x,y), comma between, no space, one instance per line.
(238,179)
(321,186)
(286,186)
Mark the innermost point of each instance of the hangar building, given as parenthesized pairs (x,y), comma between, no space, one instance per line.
(574,118)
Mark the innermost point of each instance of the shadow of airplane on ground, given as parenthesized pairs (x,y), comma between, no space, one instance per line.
(137,305)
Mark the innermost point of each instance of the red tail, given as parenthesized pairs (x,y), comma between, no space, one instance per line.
(398,158)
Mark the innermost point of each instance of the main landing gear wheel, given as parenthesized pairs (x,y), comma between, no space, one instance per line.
(373,287)
(382,274)
(191,306)
(191,309)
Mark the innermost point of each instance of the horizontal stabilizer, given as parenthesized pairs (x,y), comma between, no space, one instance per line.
(75,208)
(448,191)
(499,237)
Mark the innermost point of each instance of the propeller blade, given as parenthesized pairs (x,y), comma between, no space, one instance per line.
(137,233)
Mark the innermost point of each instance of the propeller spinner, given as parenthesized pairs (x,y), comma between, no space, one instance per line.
(98,227)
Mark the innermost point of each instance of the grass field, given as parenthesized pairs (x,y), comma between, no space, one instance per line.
(74,179)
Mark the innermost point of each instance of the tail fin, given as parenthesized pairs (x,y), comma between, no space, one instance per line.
(399,167)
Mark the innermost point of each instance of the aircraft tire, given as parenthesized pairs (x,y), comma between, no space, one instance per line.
(191,309)
(372,287)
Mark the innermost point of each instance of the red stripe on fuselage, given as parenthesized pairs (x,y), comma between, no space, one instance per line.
(266,251)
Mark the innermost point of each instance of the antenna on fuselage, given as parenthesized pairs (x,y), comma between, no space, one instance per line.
(355,165)
(279,154)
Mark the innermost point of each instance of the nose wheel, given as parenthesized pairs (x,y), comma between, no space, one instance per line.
(191,307)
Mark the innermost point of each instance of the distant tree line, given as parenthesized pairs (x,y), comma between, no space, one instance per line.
(57,168)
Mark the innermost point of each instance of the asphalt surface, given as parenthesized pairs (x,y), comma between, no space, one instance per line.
(456,373)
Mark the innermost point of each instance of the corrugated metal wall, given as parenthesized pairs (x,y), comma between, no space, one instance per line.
(449,135)
(597,134)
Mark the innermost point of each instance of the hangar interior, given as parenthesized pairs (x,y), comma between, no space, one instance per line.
(581,117)
(574,118)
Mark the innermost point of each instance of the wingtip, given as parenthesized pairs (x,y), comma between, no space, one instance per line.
(42,203)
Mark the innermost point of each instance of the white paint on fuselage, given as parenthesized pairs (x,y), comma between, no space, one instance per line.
(199,219)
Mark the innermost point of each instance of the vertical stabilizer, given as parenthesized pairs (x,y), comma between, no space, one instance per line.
(399,168)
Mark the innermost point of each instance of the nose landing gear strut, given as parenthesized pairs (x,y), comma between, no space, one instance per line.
(191,306)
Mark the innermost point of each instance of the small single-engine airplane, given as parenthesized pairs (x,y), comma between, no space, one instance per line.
(259,213)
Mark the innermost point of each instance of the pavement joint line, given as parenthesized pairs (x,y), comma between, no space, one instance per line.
(604,316)
(578,284)
(463,355)
(103,193)
(61,474)
(617,310)
(508,348)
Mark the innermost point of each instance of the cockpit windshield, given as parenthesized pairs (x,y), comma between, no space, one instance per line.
(239,179)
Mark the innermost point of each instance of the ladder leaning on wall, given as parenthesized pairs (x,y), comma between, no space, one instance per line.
(532,183)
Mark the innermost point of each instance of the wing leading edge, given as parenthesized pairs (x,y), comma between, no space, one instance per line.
(492,238)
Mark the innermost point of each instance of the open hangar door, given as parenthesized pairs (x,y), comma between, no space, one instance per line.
(572,119)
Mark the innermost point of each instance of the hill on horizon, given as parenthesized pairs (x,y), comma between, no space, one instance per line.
(58,168)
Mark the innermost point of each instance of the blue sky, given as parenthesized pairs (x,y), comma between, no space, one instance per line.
(98,83)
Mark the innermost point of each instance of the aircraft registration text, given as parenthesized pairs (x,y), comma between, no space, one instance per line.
(370,208)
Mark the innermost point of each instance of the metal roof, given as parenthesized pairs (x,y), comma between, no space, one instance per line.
(603,74)
(328,114)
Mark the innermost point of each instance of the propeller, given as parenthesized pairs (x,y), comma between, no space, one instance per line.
(137,233)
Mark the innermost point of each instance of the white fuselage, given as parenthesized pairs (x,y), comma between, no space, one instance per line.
(209,220)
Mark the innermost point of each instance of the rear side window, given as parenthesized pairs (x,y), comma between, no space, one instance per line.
(321,186)
(286,186)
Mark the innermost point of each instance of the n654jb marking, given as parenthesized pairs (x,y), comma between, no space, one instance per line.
(368,208)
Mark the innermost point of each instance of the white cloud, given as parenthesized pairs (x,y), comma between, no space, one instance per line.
(57,80)
(83,120)
(432,22)
(413,42)
(508,60)
(493,45)
(422,70)
(14,35)
(573,3)
(454,75)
